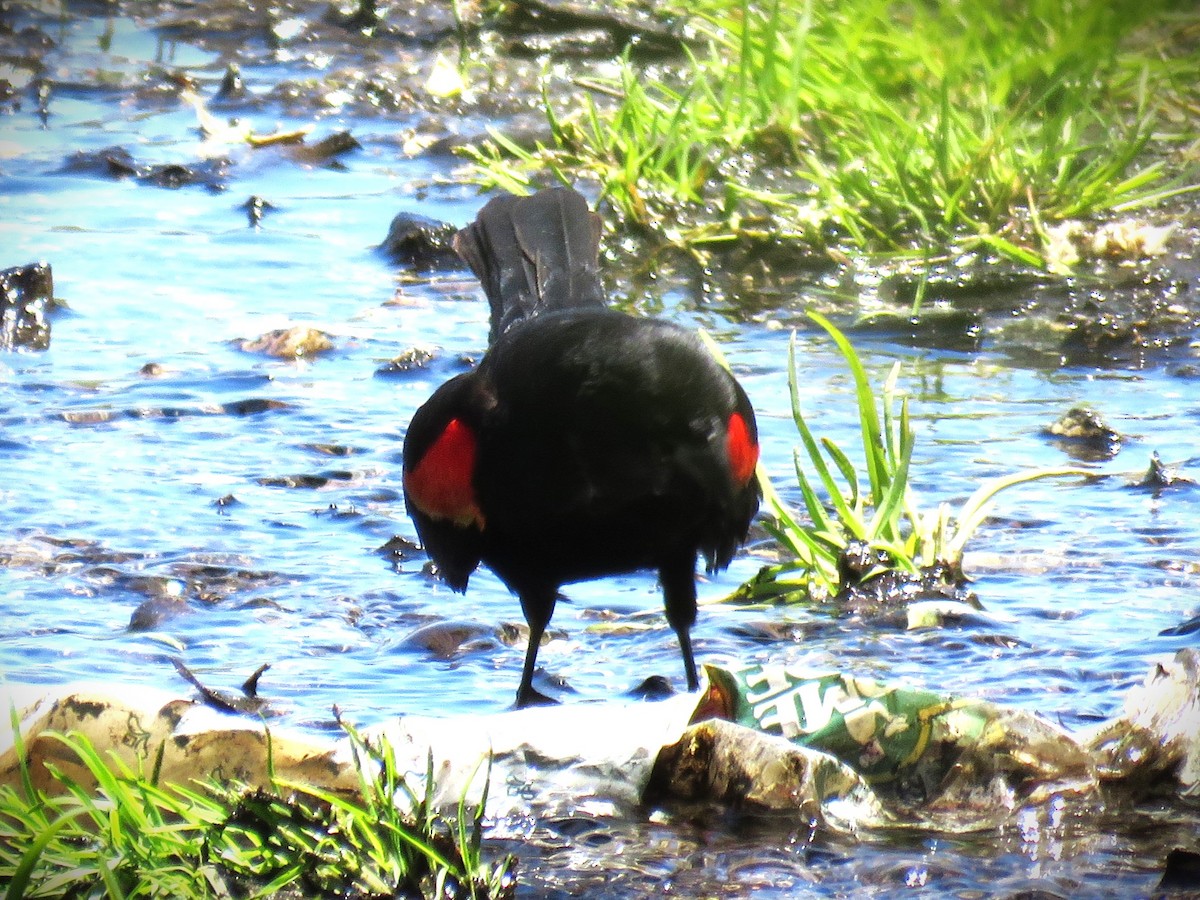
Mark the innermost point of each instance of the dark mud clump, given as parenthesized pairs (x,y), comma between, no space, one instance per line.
(420,243)
(26,296)
(1082,434)
(871,586)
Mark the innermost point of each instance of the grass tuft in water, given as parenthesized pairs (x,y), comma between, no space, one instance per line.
(880,128)
(133,837)
(876,507)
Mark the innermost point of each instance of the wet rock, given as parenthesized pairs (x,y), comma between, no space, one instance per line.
(26,295)
(302,480)
(153,612)
(298,342)
(411,360)
(252,406)
(655,687)
(420,243)
(209,173)
(330,449)
(1083,434)
(111,162)
(448,640)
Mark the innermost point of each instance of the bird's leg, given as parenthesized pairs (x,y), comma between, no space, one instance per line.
(679,598)
(538,608)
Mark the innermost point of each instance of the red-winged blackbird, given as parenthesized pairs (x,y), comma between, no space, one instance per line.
(587,442)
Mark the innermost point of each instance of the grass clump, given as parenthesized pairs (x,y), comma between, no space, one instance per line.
(878,127)
(876,509)
(133,837)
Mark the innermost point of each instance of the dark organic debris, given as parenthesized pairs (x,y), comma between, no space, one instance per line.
(250,685)
(365,16)
(111,162)
(410,360)
(1159,476)
(232,87)
(26,295)
(249,702)
(1136,313)
(585,29)
(117,162)
(1083,434)
(325,151)
(420,243)
(871,586)
(943,327)
(399,549)
(256,209)
(208,172)
(1191,626)
(1181,871)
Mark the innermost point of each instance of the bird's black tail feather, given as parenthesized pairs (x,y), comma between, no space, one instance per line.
(534,254)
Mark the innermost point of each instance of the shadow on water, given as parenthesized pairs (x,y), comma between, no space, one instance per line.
(173,491)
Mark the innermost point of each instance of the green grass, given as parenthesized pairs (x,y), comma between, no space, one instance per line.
(133,837)
(881,128)
(876,506)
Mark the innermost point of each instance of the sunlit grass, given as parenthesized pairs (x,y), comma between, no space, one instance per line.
(875,505)
(879,127)
(133,837)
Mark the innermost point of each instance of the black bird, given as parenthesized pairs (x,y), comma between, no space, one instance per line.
(587,442)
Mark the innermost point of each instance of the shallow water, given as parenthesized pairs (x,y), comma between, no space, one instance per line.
(117,485)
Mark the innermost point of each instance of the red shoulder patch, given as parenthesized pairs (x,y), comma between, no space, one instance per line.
(440,485)
(742,449)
